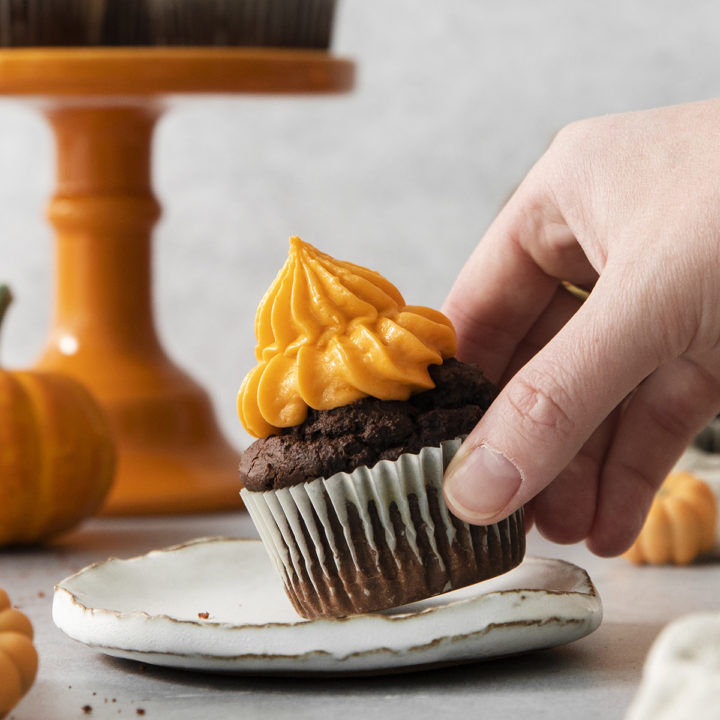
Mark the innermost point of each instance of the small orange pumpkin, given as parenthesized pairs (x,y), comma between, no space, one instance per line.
(680,525)
(18,658)
(57,454)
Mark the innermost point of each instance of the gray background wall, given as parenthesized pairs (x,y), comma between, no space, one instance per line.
(455,100)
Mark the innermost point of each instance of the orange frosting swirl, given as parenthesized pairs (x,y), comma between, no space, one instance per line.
(329,333)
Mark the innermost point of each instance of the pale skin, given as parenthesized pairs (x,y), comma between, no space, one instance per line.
(598,399)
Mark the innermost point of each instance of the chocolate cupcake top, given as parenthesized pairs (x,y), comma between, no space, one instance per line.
(330,333)
(369,430)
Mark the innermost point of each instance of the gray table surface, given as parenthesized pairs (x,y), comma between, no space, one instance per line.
(595,677)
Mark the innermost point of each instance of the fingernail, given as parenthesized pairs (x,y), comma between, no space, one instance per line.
(480,483)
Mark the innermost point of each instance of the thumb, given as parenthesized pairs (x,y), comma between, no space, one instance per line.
(549,409)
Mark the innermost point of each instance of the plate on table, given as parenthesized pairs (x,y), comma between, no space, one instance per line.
(217,605)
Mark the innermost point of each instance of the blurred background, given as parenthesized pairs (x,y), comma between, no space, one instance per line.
(454,102)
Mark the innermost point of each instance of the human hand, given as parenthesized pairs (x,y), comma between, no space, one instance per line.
(598,399)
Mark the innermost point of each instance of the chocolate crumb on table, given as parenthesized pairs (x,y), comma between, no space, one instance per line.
(87,709)
(204,615)
(140,711)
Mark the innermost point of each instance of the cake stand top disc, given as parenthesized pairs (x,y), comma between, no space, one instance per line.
(123,71)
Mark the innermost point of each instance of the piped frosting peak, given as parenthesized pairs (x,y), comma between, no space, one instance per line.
(330,332)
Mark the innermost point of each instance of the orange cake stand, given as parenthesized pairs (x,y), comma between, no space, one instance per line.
(103,104)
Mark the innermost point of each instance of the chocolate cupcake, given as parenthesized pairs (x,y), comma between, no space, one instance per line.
(360,406)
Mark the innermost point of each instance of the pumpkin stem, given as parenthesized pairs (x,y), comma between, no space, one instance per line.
(5,300)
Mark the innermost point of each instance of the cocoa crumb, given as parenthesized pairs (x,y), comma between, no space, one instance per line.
(41,594)
(140,711)
(204,615)
(87,709)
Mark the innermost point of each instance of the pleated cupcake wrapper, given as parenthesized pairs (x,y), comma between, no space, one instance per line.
(308,525)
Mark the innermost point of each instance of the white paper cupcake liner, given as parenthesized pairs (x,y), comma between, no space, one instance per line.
(378,537)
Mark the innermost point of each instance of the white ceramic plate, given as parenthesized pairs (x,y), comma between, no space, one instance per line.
(152,608)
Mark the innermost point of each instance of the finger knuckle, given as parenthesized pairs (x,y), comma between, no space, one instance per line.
(644,483)
(674,417)
(540,406)
(576,135)
(567,166)
(568,141)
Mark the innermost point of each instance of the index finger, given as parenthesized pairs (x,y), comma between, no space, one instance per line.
(510,278)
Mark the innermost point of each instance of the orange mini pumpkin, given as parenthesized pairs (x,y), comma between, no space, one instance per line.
(680,525)
(56,453)
(18,658)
